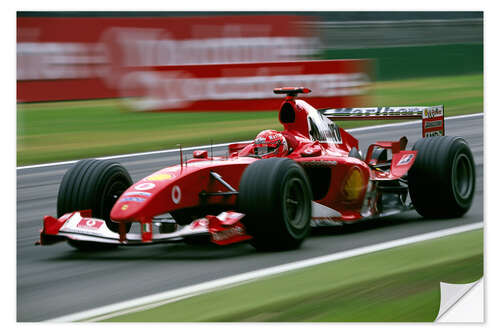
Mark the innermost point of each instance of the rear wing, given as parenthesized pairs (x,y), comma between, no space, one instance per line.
(432,116)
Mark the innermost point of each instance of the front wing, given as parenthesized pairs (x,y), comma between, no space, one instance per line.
(223,229)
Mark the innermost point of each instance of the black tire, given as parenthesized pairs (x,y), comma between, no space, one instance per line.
(275,196)
(185,216)
(442,179)
(96,185)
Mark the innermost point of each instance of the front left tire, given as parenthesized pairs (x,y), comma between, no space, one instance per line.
(96,185)
(275,196)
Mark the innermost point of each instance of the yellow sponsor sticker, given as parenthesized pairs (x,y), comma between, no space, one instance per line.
(160,176)
(353,185)
(124,207)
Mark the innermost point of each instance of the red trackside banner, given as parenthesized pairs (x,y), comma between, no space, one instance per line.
(246,86)
(177,63)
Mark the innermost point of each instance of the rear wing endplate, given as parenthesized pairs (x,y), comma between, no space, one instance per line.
(432,116)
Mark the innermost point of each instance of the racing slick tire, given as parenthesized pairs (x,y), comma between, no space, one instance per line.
(442,179)
(96,185)
(275,196)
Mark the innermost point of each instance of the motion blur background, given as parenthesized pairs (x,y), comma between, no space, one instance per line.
(109,64)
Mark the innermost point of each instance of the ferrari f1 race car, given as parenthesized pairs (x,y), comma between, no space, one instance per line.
(270,191)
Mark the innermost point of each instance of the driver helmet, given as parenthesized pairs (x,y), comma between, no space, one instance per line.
(270,143)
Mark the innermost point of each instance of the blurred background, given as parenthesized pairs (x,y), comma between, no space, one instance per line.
(405,44)
(81,75)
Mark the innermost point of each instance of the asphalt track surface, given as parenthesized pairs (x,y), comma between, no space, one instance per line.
(57,280)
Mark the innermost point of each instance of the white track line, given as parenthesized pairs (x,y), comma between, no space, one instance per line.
(170,296)
(360,129)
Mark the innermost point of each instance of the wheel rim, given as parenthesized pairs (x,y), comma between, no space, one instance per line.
(462,176)
(294,204)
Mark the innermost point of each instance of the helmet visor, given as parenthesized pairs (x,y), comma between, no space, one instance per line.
(266,150)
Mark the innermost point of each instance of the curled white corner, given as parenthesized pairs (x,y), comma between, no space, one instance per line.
(451,294)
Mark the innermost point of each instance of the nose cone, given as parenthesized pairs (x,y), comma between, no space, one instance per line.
(137,199)
(174,188)
(126,210)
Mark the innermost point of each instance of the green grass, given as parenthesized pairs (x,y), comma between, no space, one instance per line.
(399,284)
(48,132)
(398,62)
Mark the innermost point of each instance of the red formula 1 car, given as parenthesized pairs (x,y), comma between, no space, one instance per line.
(272,190)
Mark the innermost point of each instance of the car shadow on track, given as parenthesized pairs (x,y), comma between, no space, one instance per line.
(361,226)
(173,252)
(208,251)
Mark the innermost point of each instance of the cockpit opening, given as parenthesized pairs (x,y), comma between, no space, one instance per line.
(287,114)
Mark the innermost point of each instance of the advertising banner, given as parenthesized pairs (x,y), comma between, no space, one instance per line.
(67,58)
(178,63)
(234,87)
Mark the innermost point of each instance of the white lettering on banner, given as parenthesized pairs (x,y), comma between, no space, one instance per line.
(177,89)
(119,48)
(168,52)
(52,61)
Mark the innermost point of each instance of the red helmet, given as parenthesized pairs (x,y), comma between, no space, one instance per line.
(270,143)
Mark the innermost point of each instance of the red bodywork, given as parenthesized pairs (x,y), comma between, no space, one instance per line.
(344,184)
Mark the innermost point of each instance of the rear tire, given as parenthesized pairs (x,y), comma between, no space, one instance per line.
(275,196)
(96,185)
(442,179)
